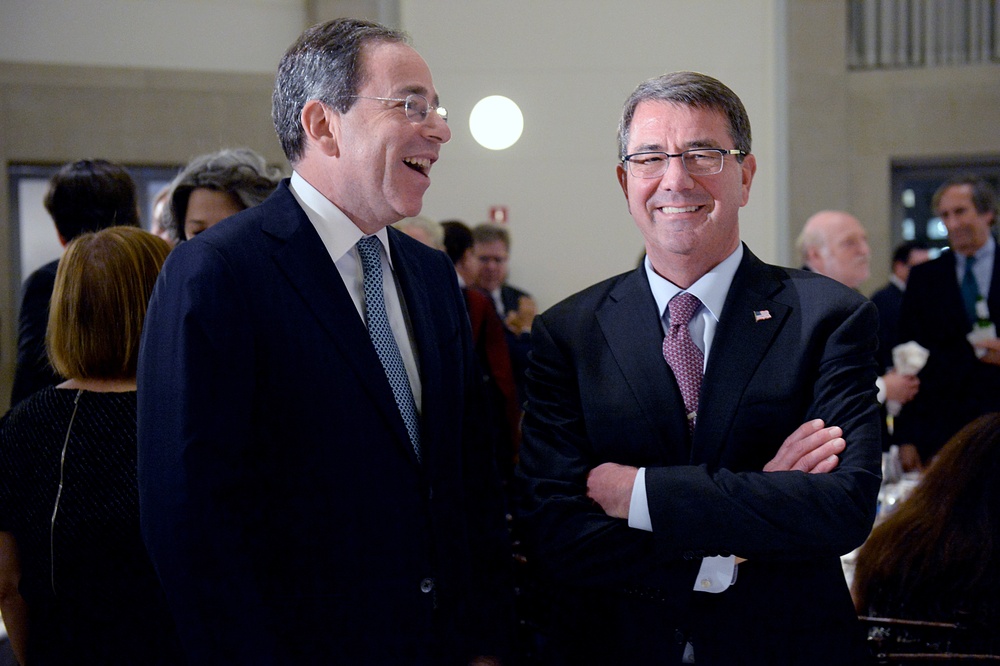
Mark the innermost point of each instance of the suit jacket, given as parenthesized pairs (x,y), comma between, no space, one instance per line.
(511,297)
(889,301)
(33,372)
(955,387)
(282,503)
(790,346)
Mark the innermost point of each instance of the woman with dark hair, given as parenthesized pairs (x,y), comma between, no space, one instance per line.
(215,186)
(76,584)
(935,557)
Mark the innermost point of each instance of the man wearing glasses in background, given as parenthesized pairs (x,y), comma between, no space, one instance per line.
(309,488)
(659,445)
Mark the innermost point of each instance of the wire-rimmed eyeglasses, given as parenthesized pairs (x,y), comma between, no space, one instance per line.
(416,106)
(697,161)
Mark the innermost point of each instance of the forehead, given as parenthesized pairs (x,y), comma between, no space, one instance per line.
(657,124)
(392,68)
(956,195)
(493,247)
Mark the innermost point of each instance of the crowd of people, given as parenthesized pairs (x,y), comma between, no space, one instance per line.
(299,423)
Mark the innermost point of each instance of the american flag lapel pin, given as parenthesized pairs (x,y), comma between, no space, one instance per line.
(761,315)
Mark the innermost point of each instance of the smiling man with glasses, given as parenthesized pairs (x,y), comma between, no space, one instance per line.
(311,483)
(702,407)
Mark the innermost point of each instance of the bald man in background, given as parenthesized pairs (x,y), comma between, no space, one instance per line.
(833,243)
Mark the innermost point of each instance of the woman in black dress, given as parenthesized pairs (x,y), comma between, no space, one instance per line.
(69,510)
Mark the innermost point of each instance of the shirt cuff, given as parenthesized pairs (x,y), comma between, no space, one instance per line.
(880,385)
(638,508)
(717,574)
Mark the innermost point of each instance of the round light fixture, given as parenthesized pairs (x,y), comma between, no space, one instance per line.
(496,122)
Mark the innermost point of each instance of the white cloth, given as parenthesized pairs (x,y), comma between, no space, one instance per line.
(339,236)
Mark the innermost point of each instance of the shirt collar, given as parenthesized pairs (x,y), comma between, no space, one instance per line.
(711,288)
(335,229)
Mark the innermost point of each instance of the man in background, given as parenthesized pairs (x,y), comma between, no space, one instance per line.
(673,409)
(83,196)
(833,243)
(889,299)
(939,309)
(311,484)
(516,307)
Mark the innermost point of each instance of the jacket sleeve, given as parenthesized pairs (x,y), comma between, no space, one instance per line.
(196,484)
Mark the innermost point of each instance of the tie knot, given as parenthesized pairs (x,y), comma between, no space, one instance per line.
(682,307)
(368,250)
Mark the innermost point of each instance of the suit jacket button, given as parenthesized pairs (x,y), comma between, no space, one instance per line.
(688,555)
(427,585)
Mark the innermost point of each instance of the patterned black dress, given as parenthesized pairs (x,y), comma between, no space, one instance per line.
(92,594)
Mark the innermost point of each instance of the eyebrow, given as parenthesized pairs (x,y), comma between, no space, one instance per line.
(690,145)
(420,90)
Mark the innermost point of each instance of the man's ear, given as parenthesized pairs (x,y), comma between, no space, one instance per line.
(622,179)
(321,125)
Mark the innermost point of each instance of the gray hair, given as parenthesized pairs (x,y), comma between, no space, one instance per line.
(983,197)
(692,89)
(433,229)
(488,232)
(325,64)
(239,172)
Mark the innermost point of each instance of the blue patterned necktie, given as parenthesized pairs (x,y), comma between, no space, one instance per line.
(381,334)
(970,289)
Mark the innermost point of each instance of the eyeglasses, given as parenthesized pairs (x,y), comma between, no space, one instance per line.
(697,161)
(416,106)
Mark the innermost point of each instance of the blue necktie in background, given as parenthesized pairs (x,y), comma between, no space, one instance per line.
(383,339)
(969,288)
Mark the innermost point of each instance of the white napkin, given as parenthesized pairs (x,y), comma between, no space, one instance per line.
(908,358)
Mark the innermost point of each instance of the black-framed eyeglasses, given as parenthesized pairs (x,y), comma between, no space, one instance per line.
(697,161)
(416,106)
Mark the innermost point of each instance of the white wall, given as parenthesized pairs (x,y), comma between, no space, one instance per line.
(200,35)
(570,65)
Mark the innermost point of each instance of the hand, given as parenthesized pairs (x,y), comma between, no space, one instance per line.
(519,321)
(811,448)
(900,388)
(992,348)
(610,485)
(909,458)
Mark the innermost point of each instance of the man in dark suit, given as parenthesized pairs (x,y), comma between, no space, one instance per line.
(637,520)
(939,310)
(83,196)
(889,299)
(309,486)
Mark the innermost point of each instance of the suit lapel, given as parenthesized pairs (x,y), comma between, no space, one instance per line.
(304,261)
(751,319)
(632,329)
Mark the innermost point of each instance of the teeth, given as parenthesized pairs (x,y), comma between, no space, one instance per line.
(686,209)
(423,163)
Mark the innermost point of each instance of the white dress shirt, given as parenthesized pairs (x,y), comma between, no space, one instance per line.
(717,574)
(340,236)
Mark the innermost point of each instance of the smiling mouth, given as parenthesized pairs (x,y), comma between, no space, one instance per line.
(672,210)
(422,165)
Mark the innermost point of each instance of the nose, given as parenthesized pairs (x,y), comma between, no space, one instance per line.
(676,176)
(436,128)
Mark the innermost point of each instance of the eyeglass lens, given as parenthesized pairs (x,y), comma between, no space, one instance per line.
(696,162)
(417,108)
